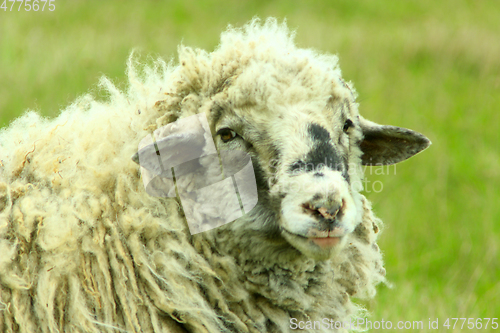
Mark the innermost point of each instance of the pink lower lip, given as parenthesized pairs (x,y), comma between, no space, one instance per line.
(326,241)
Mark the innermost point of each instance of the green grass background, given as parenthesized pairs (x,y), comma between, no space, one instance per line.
(427,65)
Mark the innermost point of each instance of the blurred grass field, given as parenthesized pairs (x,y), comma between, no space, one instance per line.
(430,66)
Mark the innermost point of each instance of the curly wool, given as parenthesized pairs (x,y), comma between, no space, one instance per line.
(85,249)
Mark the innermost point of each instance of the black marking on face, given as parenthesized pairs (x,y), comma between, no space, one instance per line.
(300,166)
(323,154)
(318,133)
(323,151)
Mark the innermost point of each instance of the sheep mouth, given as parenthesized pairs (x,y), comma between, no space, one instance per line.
(326,242)
(325,239)
(336,232)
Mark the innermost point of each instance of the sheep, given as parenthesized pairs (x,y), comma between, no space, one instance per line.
(85,248)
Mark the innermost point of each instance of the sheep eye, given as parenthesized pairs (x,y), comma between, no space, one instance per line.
(227,134)
(348,124)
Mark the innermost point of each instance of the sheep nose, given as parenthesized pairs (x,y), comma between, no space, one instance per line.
(328,211)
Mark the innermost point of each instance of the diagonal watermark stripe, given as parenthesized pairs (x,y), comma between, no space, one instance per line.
(181,160)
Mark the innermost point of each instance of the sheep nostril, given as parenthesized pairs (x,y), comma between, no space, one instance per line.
(311,209)
(329,212)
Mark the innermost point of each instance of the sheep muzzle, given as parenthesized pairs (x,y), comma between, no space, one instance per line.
(317,216)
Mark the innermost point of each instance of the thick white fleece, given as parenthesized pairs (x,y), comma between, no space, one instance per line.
(85,249)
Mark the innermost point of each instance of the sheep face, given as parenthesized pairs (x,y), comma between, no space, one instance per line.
(307,158)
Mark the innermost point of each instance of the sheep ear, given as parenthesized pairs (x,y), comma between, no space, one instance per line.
(384,144)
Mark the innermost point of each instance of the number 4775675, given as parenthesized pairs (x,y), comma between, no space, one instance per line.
(29,5)
(472,323)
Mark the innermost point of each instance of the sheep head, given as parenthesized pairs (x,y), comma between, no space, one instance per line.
(307,156)
(291,111)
